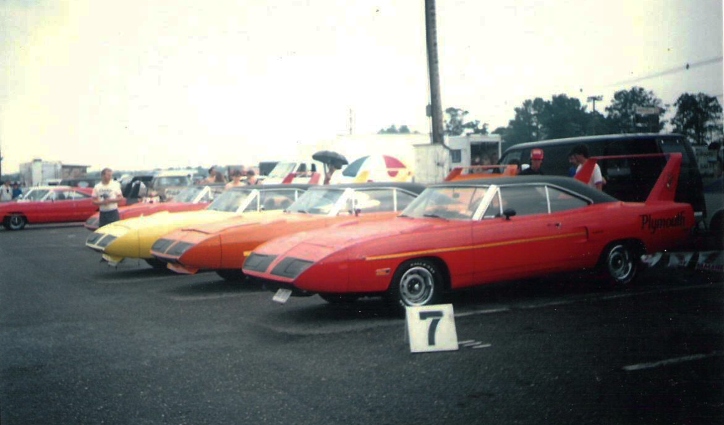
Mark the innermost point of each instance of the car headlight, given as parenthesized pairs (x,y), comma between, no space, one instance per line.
(162,245)
(258,262)
(100,239)
(291,267)
(179,249)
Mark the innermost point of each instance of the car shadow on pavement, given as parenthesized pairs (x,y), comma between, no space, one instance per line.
(124,272)
(316,309)
(215,285)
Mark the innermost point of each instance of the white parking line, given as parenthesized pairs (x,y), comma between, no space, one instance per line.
(667,362)
(207,297)
(578,300)
(489,311)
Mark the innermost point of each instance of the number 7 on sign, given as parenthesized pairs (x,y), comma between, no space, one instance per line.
(431,328)
(435,316)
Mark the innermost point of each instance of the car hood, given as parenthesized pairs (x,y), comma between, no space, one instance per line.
(165,218)
(317,243)
(236,221)
(149,208)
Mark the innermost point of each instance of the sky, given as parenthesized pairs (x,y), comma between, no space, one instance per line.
(140,84)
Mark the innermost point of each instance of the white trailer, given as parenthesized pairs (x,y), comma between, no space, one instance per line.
(39,172)
(433,162)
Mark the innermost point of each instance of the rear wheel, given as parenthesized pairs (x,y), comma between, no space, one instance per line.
(15,222)
(716,227)
(417,283)
(620,263)
(231,275)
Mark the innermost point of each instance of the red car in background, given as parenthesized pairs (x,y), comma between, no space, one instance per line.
(48,204)
(191,198)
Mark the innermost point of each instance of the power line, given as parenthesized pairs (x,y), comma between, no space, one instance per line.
(670,71)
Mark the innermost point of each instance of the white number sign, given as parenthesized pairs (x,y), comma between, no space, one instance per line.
(431,328)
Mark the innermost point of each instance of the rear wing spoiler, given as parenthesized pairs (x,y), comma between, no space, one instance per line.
(664,189)
(482,172)
(313,177)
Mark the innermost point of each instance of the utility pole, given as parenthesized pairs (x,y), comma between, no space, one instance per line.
(435,107)
(351,121)
(594,99)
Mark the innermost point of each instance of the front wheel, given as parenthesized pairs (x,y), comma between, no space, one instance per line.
(156,263)
(620,264)
(15,222)
(417,283)
(231,275)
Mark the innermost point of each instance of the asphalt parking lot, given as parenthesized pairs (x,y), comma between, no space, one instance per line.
(83,343)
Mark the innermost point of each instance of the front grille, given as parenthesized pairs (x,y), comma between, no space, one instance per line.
(162,245)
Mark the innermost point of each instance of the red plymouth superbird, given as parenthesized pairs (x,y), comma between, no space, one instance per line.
(461,234)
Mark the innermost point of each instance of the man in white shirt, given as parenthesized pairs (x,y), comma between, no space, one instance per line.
(579,154)
(6,192)
(107,194)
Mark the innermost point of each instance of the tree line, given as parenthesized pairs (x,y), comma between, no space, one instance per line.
(636,110)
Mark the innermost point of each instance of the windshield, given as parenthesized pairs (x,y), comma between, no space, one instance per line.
(317,201)
(454,203)
(188,194)
(170,181)
(282,169)
(230,201)
(35,194)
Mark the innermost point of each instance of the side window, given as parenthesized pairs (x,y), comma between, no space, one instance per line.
(676,145)
(403,199)
(512,157)
(525,200)
(371,201)
(456,156)
(76,195)
(616,168)
(563,201)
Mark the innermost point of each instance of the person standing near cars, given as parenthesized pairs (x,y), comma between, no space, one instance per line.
(536,161)
(580,155)
(17,191)
(251,177)
(106,195)
(6,192)
(235,179)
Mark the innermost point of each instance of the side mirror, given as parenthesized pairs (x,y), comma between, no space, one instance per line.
(508,213)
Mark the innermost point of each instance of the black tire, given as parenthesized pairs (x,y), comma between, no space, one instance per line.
(15,222)
(716,227)
(231,275)
(156,263)
(339,298)
(417,283)
(620,263)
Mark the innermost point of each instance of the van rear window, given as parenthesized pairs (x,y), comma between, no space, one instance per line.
(675,146)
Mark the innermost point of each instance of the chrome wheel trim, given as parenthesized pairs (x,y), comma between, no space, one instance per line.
(620,264)
(417,286)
